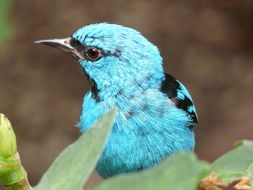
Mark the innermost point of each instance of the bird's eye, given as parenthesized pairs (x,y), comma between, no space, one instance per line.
(93,53)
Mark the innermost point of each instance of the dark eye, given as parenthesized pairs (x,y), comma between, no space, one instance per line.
(93,53)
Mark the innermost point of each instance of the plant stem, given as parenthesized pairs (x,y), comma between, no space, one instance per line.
(12,175)
(23,184)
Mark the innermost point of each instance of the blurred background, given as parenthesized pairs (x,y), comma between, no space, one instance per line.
(206,44)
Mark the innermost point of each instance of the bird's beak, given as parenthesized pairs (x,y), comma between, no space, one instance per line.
(63,44)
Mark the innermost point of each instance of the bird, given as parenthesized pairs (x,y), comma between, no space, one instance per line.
(155,112)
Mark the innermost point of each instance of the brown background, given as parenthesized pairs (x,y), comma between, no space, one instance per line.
(206,44)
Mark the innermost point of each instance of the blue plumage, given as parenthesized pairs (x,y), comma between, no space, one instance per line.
(155,111)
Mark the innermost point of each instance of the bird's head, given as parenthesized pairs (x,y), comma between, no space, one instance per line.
(114,57)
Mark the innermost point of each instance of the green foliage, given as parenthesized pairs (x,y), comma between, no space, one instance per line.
(236,163)
(179,172)
(10,170)
(74,165)
(12,174)
(8,145)
(4,24)
(250,173)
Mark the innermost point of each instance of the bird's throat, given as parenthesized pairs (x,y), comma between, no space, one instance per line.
(93,86)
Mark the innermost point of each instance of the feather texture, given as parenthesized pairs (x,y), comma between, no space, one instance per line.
(155,111)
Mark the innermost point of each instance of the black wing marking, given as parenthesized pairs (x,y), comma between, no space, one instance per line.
(176,91)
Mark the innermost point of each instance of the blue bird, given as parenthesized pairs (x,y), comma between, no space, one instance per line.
(155,115)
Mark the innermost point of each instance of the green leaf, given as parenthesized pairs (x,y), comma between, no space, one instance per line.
(235,163)
(74,165)
(247,143)
(250,174)
(4,25)
(178,172)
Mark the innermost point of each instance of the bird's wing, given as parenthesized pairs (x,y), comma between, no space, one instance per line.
(176,91)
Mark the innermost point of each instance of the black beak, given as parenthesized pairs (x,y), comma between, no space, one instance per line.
(63,44)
